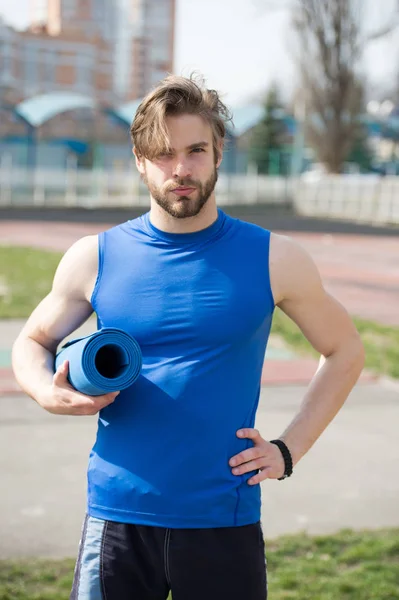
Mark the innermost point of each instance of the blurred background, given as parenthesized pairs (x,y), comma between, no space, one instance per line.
(313,88)
(312,152)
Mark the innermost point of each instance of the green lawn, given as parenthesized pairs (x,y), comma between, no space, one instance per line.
(345,566)
(381,343)
(25,278)
(26,275)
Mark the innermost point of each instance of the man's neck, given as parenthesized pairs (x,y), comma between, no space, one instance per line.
(165,222)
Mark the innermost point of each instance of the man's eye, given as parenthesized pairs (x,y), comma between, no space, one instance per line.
(197,150)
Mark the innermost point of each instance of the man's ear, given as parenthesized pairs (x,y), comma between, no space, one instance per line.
(140,162)
(220,147)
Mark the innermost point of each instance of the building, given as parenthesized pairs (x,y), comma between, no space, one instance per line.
(33,62)
(153,42)
(109,51)
(140,34)
(115,50)
(89,27)
(91,16)
(88,19)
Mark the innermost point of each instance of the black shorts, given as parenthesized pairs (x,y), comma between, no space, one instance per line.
(118,561)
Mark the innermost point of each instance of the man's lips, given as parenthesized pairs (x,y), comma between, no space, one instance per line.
(183,191)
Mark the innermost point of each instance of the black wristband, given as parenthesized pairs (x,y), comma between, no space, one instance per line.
(287,458)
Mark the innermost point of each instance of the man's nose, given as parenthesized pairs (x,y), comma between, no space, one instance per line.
(181,168)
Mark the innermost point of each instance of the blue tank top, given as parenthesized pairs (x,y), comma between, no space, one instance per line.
(200,305)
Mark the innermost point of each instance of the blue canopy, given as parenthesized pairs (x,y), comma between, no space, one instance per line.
(126,112)
(39,109)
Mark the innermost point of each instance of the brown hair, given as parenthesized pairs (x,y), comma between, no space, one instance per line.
(174,96)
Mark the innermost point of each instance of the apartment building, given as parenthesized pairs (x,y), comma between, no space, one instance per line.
(33,62)
(114,50)
(153,43)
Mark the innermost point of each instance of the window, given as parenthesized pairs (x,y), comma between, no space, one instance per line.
(30,62)
(69,8)
(159,14)
(49,68)
(104,16)
(84,72)
(160,47)
(6,54)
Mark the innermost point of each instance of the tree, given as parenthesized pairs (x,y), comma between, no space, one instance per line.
(266,140)
(361,153)
(331,41)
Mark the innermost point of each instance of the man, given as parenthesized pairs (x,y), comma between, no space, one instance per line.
(173,477)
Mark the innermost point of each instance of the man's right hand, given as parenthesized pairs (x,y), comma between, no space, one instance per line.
(63,399)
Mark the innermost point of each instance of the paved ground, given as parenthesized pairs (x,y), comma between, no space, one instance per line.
(348,479)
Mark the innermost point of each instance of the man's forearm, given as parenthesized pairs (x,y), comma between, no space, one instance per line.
(326,394)
(33,367)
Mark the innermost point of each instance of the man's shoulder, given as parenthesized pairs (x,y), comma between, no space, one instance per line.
(291,266)
(83,247)
(284,247)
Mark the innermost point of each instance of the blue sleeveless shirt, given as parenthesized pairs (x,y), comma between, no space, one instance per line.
(200,305)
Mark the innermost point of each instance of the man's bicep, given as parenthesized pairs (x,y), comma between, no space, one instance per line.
(322,320)
(67,306)
(320,317)
(55,318)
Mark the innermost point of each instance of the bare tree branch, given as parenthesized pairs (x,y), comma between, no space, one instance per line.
(386,30)
(331,42)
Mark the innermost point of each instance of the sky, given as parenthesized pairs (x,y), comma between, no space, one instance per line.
(240,48)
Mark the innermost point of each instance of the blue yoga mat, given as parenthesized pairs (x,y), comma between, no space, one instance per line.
(108,360)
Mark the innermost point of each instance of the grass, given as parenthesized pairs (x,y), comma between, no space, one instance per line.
(36,579)
(381,343)
(26,275)
(346,566)
(382,347)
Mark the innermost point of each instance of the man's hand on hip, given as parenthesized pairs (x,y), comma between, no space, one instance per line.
(263,456)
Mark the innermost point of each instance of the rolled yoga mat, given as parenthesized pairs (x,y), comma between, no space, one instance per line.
(106,361)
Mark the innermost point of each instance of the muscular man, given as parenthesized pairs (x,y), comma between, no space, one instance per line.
(173,476)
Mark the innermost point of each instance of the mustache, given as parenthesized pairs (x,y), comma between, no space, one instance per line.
(180,183)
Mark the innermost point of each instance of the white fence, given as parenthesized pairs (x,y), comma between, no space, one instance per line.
(96,189)
(363,198)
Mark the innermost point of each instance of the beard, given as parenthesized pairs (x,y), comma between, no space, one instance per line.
(183,207)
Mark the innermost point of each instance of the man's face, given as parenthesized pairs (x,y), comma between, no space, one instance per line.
(182,181)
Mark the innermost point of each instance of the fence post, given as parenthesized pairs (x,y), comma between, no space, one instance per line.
(391,203)
(71,180)
(6,179)
(39,198)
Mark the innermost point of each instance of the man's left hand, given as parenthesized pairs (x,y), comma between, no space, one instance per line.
(263,456)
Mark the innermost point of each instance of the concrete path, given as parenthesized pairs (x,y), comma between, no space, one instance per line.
(348,479)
